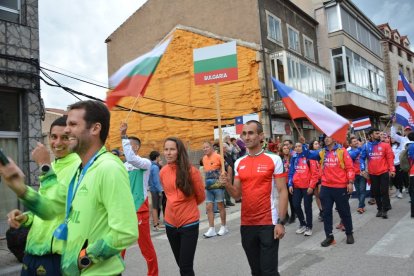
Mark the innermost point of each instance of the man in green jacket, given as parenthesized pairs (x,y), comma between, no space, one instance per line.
(43,252)
(100,218)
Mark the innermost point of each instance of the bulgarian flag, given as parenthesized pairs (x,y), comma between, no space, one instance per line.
(216,63)
(133,77)
(322,118)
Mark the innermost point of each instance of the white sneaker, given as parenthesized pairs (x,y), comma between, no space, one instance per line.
(223,231)
(210,233)
(301,230)
(400,195)
(308,232)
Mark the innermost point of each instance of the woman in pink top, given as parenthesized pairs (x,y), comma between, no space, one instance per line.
(184,189)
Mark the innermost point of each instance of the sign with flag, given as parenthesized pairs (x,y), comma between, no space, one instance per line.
(404,113)
(322,118)
(216,63)
(241,120)
(361,123)
(133,77)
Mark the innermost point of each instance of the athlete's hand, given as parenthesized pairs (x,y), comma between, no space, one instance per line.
(291,190)
(223,178)
(350,188)
(279,231)
(392,174)
(123,128)
(364,174)
(41,155)
(302,140)
(16,218)
(310,191)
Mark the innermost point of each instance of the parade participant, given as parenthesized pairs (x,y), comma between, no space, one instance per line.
(139,170)
(303,178)
(380,169)
(399,180)
(100,220)
(184,189)
(155,187)
(214,190)
(360,182)
(43,252)
(315,145)
(411,172)
(286,155)
(257,177)
(337,179)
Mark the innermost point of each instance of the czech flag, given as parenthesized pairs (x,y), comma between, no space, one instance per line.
(322,118)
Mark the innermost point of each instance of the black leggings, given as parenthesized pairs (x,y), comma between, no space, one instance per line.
(183,242)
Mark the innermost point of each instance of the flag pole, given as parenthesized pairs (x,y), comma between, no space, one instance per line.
(297,129)
(386,126)
(129,113)
(365,137)
(219,126)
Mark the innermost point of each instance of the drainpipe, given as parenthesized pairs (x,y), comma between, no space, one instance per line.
(262,37)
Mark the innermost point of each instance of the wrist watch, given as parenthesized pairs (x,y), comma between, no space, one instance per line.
(45,168)
(84,260)
(281,221)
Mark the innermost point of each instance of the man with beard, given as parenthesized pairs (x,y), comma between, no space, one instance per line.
(100,218)
(258,176)
(43,252)
(380,169)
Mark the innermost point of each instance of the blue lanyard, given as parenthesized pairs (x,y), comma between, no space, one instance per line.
(71,191)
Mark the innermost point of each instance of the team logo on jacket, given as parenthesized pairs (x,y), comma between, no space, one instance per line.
(262,168)
(379,148)
(303,161)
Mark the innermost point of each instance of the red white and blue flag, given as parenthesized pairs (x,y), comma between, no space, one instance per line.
(241,120)
(322,118)
(405,97)
(361,123)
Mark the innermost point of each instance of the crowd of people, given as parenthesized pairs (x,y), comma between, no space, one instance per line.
(91,206)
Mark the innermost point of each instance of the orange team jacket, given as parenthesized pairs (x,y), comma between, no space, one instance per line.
(181,210)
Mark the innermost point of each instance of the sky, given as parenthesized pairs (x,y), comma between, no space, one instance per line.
(72,35)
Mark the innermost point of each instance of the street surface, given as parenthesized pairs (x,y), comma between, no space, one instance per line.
(382,247)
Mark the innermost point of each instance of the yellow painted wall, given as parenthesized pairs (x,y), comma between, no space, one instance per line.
(173,81)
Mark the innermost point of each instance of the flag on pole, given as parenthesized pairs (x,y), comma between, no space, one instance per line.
(241,120)
(361,123)
(133,77)
(322,118)
(216,63)
(404,113)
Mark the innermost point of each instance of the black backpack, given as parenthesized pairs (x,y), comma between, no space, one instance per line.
(16,241)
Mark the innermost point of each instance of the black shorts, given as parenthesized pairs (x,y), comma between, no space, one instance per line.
(41,265)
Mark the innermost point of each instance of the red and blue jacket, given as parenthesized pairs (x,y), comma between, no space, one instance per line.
(303,173)
(411,158)
(355,153)
(332,173)
(380,158)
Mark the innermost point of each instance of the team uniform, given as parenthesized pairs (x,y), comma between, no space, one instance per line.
(380,163)
(43,251)
(258,211)
(139,170)
(102,219)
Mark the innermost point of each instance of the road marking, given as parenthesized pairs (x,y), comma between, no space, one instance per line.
(397,242)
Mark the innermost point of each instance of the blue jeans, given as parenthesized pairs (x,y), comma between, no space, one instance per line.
(298,194)
(340,197)
(361,190)
(215,195)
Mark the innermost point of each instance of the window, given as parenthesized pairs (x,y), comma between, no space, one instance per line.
(387,33)
(390,47)
(274,31)
(399,52)
(396,38)
(9,111)
(10,10)
(409,57)
(333,19)
(408,74)
(293,39)
(309,51)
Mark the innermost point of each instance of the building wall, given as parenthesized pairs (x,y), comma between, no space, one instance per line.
(149,24)
(173,81)
(19,57)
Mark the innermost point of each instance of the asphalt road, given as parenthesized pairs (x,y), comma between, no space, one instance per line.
(382,247)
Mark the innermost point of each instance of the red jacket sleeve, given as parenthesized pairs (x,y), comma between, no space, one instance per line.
(390,158)
(198,185)
(314,170)
(349,166)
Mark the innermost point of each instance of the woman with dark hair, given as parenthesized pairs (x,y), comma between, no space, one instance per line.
(314,145)
(286,154)
(184,189)
(398,179)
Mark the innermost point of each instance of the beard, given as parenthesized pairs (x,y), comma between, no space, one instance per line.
(80,143)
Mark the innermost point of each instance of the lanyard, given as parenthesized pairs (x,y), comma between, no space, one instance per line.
(72,190)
